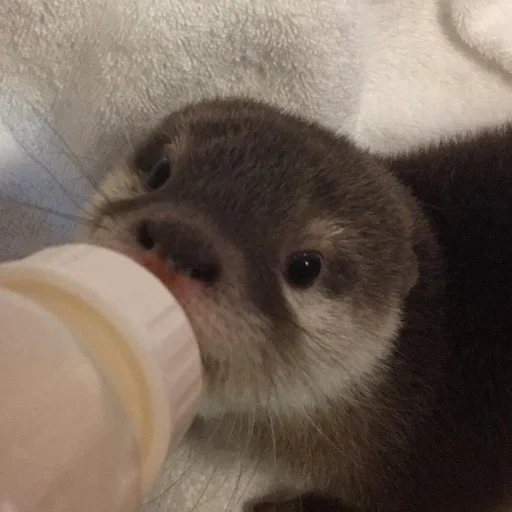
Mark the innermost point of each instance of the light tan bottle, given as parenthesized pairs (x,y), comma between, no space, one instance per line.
(99,376)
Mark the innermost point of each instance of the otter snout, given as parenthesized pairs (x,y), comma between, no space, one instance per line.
(185,249)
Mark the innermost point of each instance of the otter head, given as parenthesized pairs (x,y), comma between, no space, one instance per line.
(289,249)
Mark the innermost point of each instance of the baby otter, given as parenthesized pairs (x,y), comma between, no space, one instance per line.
(353,311)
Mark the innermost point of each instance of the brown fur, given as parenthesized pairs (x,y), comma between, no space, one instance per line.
(388,385)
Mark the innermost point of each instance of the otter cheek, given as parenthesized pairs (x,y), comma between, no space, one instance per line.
(181,286)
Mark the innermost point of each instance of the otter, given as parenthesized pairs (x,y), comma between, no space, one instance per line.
(353,311)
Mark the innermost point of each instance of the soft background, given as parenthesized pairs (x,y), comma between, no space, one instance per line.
(82,80)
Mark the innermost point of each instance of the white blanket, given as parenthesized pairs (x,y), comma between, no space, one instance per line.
(102,72)
(435,68)
(82,80)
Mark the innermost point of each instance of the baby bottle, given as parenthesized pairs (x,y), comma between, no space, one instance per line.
(100,376)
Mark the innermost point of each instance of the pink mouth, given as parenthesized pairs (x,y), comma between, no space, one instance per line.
(182,287)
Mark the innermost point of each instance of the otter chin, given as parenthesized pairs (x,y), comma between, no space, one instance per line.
(352,311)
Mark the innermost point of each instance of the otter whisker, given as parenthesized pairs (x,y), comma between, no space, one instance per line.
(322,434)
(249,429)
(48,171)
(237,484)
(249,435)
(196,447)
(274,448)
(197,504)
(170,487)
(45,209)
(70,154)
(256,467)
(125,131)
(223,483)
(273,438)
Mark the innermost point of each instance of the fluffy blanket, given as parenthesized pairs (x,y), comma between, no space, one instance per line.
(81,80)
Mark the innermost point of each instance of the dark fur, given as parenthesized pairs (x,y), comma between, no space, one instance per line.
(436,434)
(465,451)
(461,460)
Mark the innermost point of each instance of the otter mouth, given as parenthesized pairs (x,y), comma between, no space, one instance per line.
(181,286)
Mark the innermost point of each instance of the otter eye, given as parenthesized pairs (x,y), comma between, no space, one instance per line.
(303,268)
(159,174)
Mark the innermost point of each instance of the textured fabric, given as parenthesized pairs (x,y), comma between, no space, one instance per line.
(424,81)
(485,26)
(102,72)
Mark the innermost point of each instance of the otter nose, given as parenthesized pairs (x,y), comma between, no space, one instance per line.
(185,248)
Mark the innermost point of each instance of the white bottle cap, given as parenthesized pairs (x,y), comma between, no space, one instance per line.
(155,341)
